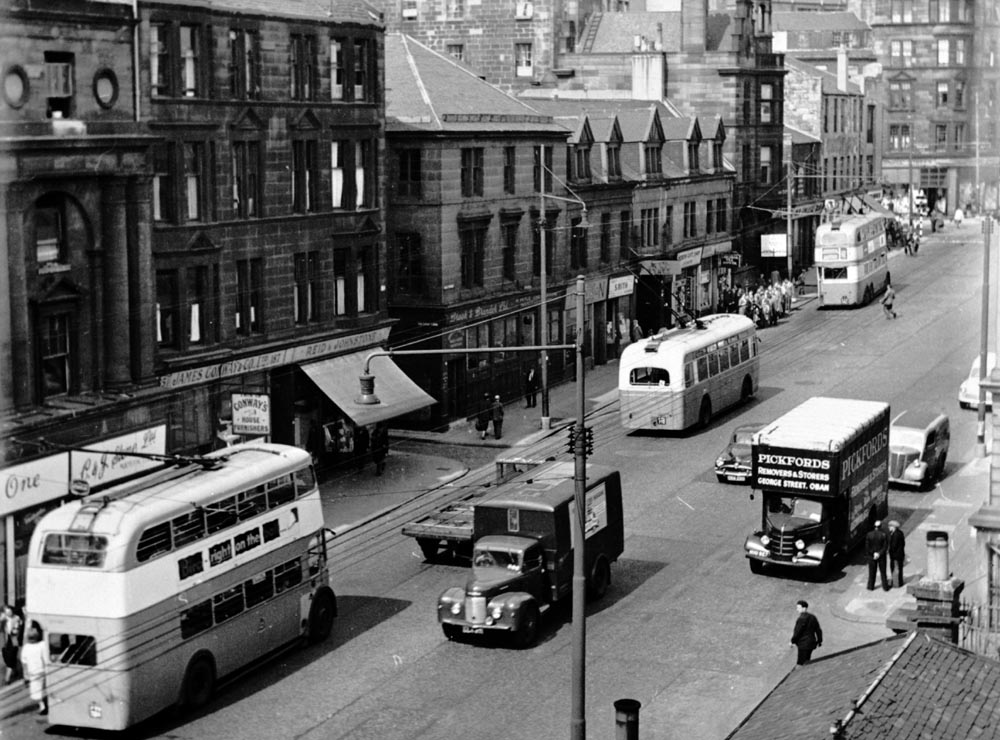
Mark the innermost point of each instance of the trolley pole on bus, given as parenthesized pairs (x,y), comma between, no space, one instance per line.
(578,680)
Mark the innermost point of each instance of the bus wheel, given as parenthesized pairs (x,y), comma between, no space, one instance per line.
(705,415)
(746,393)
(199,682)
(600,579)
(321,614)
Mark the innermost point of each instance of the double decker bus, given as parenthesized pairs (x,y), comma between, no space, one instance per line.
(680,377)
(851,260)
(149,592)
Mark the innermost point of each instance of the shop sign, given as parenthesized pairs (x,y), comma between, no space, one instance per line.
(773,245)
(621,285)
(276,358)
(110,464)
(456,340)
(664,268)
(34,483)
(251,414)
(729,259)
(689,258)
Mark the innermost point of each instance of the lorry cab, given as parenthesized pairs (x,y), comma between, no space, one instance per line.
(502,563)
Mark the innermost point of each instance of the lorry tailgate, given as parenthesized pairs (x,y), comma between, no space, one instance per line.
(453,522)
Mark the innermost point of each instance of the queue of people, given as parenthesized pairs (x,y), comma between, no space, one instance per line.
(765,305)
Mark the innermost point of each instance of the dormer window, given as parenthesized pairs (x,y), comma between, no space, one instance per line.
(614,150)
(581,165)
(653,165)
(694,163)
(717,155)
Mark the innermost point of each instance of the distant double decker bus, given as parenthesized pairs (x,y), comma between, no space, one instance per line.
(852,260)
(149,592)
(680,377)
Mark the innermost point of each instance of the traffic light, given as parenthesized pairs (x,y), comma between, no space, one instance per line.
(589,442)
(571,445)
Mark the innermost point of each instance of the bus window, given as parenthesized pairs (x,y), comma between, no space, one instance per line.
(75,549)
(258,589)
(251,503)
(723,359)
(702,369)
(744,350)
(649,376)
(713,364)
(73,649)
(227,604)
(287,575)
(154,541)
(835,273)
(305,480)
(220,515)
(280,491)
(188,528)
(688,374)
(196,619)
(734,355)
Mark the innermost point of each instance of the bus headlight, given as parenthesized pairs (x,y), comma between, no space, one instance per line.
(456,608)
(765,540)
(800,545)
(497,611)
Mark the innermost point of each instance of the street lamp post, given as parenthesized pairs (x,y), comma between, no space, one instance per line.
(543,308)
(368,397)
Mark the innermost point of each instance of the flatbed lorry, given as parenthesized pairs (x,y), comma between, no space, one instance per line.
(522,556)
(448,529)
(823,472)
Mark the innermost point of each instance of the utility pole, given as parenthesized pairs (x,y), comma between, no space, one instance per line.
(578,720)
(984,343)
(788,213)
(543,308)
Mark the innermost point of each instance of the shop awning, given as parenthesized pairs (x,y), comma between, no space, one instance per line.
(338,377)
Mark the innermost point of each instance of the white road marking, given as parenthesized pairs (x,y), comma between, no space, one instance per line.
(685,503)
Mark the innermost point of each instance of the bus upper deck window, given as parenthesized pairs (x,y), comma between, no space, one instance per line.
(305,481)
(84,550)
(688,374)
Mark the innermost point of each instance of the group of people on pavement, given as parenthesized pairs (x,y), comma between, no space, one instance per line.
(765,304)
(491,412)
(346,444)
(881,547)
(25,654)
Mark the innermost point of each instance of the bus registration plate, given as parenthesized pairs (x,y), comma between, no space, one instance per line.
(472,630)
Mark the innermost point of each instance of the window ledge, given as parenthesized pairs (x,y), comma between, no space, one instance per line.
(49,268)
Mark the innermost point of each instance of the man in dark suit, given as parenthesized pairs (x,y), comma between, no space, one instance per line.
(807,635)
(897,552)
(876,547)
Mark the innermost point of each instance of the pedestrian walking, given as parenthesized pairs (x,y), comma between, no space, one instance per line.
(530,387)
(807,635)
(362,440)
(959,216)
(380,447)
(11,635)
(496,413)
(897,553)
(34,663)
(887,300)
(483,416)
(876,546)
(636,331)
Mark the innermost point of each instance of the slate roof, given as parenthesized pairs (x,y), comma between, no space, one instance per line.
(429,91)
(344,11)
(635,117)
(828,79)
(907,686)
(617,31)
(830,21)
(798,136)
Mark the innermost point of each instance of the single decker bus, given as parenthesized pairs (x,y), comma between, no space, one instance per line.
(150,591)
(680,377)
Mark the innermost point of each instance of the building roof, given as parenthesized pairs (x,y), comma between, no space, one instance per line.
(798,136)
(840,20)
(827,79)
(340,11)
(907,686)
(617,31)
(429,91)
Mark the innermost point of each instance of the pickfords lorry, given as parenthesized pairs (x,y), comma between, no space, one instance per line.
(823,473)
(522,555)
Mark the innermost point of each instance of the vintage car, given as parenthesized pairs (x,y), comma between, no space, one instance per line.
(918,448)
(733,463)
(968,391)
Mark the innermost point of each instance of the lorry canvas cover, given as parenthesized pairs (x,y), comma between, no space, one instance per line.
(797,451)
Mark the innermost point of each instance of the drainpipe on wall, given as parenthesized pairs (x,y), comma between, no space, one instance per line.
(135,60)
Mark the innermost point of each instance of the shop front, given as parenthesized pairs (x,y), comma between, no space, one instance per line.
(33,488)
(618,313)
